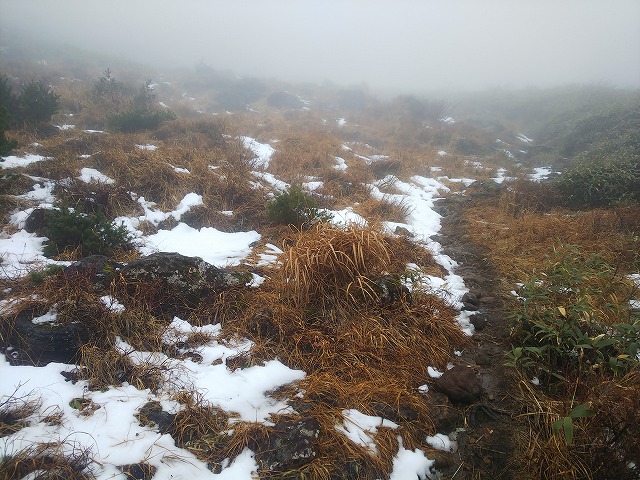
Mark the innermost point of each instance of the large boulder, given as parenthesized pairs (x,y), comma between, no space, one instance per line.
(179,280)
(460,384)
(40,343)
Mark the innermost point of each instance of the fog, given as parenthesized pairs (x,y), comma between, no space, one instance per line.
(413,46)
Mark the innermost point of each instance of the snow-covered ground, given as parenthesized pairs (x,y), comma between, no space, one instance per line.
(111,431)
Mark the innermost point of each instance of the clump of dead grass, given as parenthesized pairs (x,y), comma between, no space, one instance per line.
(14,411)
(305,154)
(328,261)
(388,208)
(108,367)
(54,460)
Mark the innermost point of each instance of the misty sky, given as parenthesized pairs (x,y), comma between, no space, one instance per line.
(409,45)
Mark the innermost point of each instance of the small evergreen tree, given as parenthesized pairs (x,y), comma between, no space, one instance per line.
(295,207)
(37,103)
(107,88)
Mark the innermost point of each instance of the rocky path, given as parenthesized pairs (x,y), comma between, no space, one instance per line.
(486,427)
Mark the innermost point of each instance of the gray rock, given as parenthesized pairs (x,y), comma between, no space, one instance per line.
(403,231)
(180,281)
(470,307)
(36,222)
(42,343)
(460,384)
(470,298)
(289,445)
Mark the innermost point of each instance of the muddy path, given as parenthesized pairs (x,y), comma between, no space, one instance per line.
(486,433)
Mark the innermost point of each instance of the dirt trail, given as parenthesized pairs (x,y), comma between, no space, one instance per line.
(486,445)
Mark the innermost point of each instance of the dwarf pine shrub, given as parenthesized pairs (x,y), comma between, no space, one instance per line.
(89,234)
(37,103)
(295,207)
(6,145)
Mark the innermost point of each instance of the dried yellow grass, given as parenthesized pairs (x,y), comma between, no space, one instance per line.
(329,261)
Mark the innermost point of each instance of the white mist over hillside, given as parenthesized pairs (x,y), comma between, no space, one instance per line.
(400,45)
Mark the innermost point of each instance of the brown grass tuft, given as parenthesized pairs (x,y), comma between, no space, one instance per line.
(103,368)
(48,461)
(328,261)
(14,412)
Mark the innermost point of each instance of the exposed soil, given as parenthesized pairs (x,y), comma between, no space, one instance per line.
(486,445)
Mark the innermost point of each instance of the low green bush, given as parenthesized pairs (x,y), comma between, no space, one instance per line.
(575,320)
(37,103)
(88,234)
(137,120)
(295,207)
(601,183)
(6,145)
(34,105)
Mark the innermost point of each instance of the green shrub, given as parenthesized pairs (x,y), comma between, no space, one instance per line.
(6,145)
(601,183)
(136,120)
(295,207)
(89,234)
(8,99)
(575,320)
(37,103)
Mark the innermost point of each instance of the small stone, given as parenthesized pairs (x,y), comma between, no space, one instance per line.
(460,384)
(403,231)
(483,359)
(470,298)
(478,322)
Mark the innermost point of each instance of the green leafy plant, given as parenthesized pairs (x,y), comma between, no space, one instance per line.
(295,207)
(37,277)
(574,320)
(88,233)
(602,183)
(565,424)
